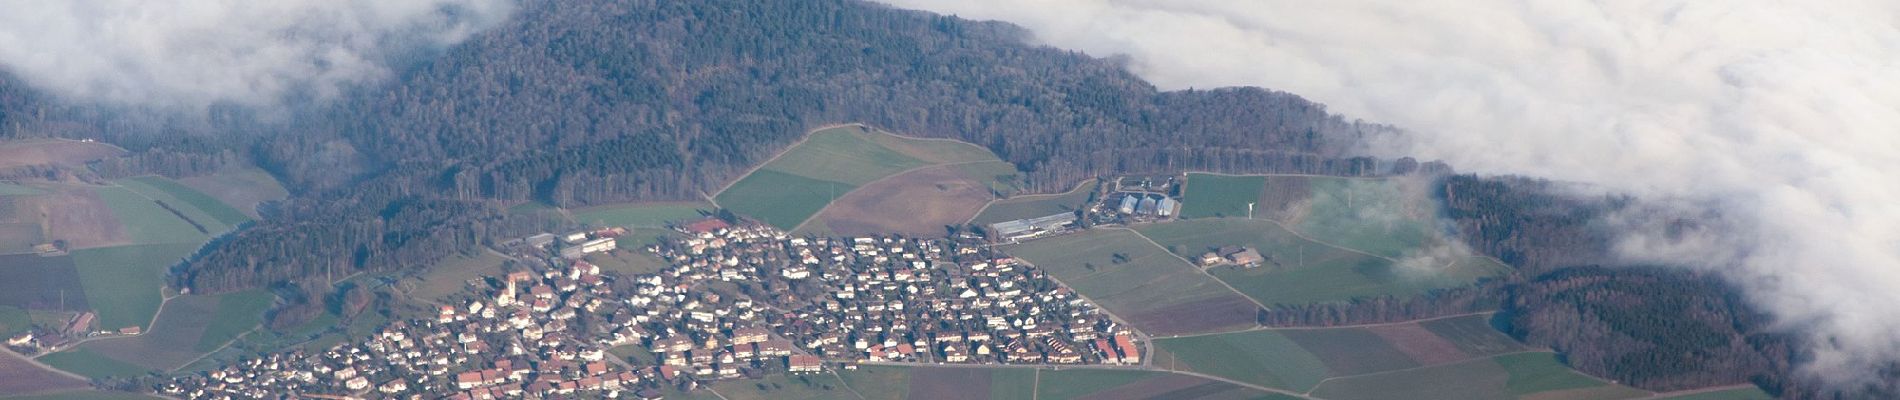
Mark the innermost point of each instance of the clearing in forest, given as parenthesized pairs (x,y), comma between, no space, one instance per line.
(53,152)
(1133,279)
(242,189)
(831,163)
(1300,271)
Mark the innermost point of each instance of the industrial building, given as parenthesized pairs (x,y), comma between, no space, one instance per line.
(1031,227)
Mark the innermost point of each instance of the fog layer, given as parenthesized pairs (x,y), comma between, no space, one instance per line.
(1784,115)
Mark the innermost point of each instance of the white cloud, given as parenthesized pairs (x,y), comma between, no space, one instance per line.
(191,53)
(1786,114)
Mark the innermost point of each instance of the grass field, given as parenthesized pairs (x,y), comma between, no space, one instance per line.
(1747,393)
(1511,376)
(188,328)
(1264,358)
(145,221)
(169,343)
(40,283)
(92,365)
(640,215)
(15,153)
(1013,383)
(1036,205)
(14,320)
(1075,383)
(1136,280)
(1415,356)
(14,189)
(1210,195)
(879,382)
(781,199)
(85,395)
(19,375)
(448,276)
(846,155)
(807,177)
(782,387)
(242,189)
(1473,335)
(237,313)
(1378,216)
(122,283)
(1299,271)
(168,190)
(920,202)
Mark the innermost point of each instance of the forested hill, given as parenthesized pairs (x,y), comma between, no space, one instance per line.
(585,102)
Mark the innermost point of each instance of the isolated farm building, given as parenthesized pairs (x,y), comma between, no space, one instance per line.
(1128,204)
(1166,208)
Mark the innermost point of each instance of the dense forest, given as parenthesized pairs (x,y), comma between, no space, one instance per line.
(587,102)
(1652,327)
(577,103)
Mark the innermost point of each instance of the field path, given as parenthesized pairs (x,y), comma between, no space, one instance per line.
(847,385)
(220,348)
(1139,335)
(1190,264)
(36,363)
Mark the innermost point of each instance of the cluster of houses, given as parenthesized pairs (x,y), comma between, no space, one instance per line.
(897,299)
(735,302)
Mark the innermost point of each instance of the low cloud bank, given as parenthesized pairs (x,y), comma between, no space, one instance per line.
(1780,115)
(186,55)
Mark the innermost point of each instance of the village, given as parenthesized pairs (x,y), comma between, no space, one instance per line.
(739,300)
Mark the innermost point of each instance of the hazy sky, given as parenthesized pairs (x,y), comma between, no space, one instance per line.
(191,53)
(1784,114)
